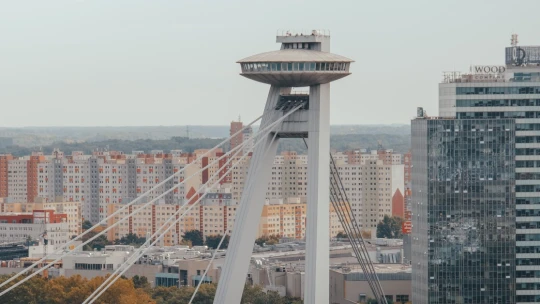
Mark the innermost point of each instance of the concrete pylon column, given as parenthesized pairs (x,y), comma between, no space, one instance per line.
(233,278)
(318,192)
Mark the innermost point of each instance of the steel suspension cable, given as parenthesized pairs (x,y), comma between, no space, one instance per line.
(200,198)
(118,211)
(358,239)
(349,232)
(357,243)
(134,212)
(157,235)
(345,219)
(354,242)
(223,237)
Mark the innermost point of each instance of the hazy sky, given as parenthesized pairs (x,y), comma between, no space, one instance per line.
(129,62)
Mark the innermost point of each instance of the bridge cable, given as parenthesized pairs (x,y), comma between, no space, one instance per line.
(223,237)
(157,235)
(342,206)
(200,198)
(31,267)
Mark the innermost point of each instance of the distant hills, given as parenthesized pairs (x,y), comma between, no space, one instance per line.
(127,139)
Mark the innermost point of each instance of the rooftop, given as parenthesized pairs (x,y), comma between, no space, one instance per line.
(379,268)
(295,55)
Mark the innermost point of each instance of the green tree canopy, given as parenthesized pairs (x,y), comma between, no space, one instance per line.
(98,243)
(75,289)
(341,235)
(130,239)
(140,282)
(194,236)
(390,227)
(267,239)
(212,241)
(86,225)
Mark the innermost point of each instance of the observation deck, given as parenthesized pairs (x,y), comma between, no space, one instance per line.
(295,67)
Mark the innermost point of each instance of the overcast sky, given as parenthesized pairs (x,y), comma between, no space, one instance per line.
(129,62)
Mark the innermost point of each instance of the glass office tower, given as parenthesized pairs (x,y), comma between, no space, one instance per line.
(464,215)
(509,91)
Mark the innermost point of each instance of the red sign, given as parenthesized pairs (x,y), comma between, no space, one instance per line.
(406,227)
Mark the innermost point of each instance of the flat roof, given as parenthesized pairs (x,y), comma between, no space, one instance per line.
(295,55)
(379,268)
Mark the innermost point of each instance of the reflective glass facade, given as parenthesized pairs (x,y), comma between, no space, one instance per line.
(464,215)
(510,102)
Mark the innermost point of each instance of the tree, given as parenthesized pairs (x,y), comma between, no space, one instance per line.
(390,227)
(141,282)
(267,239)
(74,289)
(341,235)
(212,241)
(130,239)
(195,236)
(374,301)
(98,243)
(87,225)
(186,243)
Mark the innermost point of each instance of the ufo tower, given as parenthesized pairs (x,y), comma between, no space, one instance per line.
(304,60)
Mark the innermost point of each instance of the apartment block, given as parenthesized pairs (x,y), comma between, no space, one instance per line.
(72,210)
(19,226)
(288,219)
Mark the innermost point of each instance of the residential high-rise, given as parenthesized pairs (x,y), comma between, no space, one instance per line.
(373,185)
(509,91)
(463,211)
(4,176)
(244,136)
(236,140)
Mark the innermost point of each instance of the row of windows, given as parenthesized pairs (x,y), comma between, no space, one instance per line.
(498,103)
(527,200)
(528,225)
(527,127)
(527,139)
(497,90)
(517,114)
(527,176)
(528,212)
(526,77)
(294,66)
(86,266)
(528,237)
(528,188)
(528,249)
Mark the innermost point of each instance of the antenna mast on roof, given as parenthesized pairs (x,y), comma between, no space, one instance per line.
(514,40)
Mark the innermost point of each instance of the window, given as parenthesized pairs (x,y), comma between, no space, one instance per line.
(402,298)
(496,90)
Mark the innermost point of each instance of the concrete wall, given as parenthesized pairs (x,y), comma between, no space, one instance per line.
(347,292)
(149,271)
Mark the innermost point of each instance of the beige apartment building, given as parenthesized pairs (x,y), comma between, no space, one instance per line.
(288,219)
